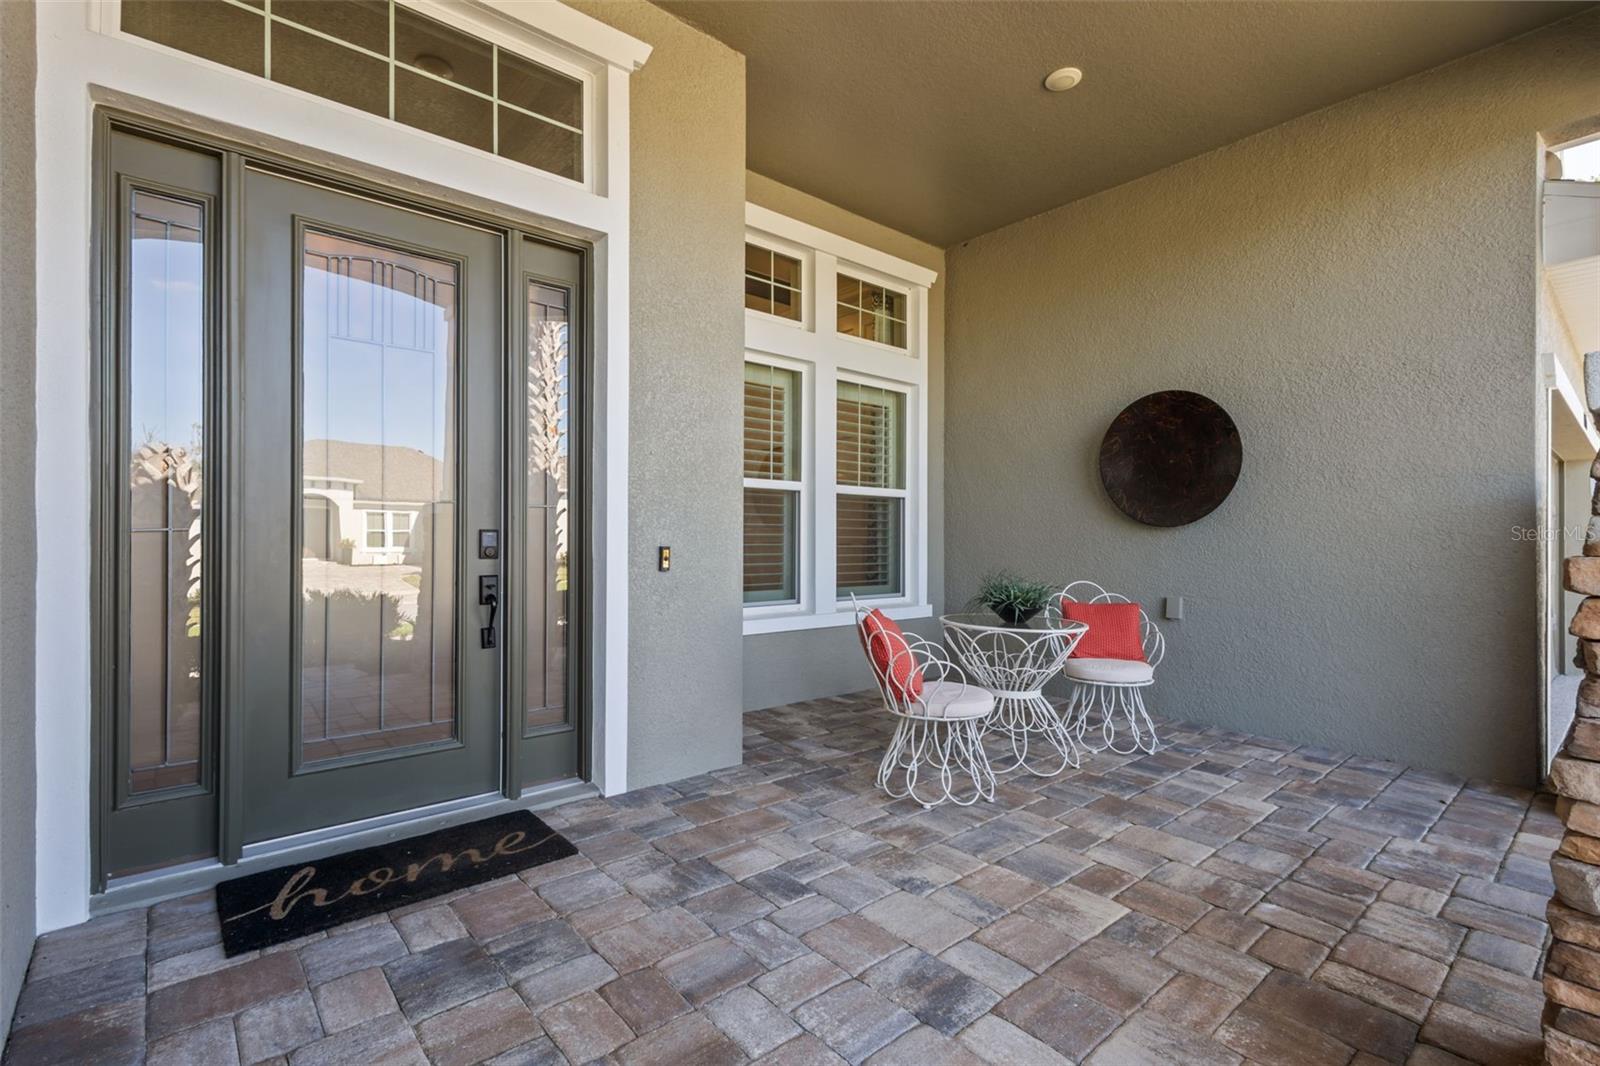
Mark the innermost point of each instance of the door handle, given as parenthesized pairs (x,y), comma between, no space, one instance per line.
(489,596)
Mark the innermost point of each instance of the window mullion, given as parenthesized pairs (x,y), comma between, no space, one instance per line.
(775,485)
(868,490)
(827,296)
(825,472)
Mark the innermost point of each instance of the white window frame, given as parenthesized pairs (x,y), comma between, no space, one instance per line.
(805,397)
(807,281)
(904,495)
(891,284)
(826,357)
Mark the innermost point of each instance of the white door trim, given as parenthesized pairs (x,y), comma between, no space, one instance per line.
(79,66)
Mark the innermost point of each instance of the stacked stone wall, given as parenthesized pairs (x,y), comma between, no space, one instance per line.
(1572,966)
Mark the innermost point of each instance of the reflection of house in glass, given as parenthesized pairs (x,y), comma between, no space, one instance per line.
(375,650)
(378,361)
(361,501)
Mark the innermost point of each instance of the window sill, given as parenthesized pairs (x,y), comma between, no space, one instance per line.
(789,623)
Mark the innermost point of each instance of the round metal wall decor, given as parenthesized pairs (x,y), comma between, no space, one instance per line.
(1170,458)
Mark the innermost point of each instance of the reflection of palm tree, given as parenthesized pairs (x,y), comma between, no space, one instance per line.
(180,468)
(546,387)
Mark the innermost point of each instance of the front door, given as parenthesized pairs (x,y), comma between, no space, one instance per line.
(342,569)
(373,348)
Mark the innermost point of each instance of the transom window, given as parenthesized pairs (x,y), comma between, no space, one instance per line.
(387,59)
(772,282)
(871,311)
(834,467)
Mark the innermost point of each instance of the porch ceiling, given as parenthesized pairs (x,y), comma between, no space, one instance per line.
(929,116)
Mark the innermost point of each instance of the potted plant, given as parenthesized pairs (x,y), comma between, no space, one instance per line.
(1014,599)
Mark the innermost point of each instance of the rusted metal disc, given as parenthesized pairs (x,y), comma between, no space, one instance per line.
(1170,458)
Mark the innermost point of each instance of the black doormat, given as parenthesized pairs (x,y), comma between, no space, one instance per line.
(292,901)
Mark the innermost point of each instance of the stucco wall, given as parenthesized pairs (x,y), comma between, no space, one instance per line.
(1358,288)
(17,774)
(787,667)
(687,343)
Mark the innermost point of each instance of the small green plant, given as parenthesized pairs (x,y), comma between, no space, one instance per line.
(1013,598)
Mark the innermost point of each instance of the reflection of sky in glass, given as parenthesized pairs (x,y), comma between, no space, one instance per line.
(165,381)
(1581,162)
(166,341)
(378,373)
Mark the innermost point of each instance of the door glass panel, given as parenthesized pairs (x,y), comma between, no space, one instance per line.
(378,552)
(548,559)
(166,331)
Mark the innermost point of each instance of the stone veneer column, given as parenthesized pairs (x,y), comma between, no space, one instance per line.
(1572,967)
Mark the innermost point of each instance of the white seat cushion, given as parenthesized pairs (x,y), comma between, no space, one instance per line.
(951,699)
(1113,671)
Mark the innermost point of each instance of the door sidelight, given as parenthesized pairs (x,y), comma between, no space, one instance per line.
(488,595)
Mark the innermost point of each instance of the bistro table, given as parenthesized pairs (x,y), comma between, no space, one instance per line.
(1014,663)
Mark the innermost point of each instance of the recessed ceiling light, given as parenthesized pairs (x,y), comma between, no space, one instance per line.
(1059,81)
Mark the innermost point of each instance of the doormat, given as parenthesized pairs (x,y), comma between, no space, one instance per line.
(267,908)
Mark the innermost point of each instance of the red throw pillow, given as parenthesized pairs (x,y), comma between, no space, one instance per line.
(1113,630)
(891,655)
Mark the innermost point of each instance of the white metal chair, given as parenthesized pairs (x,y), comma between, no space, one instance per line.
(1111,688)
(940,720)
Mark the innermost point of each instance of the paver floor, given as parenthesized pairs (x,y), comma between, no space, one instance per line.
(1229,899)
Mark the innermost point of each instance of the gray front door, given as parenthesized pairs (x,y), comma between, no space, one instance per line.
(328,418)
(372,455)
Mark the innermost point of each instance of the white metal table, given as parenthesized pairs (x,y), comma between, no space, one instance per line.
(1014,663)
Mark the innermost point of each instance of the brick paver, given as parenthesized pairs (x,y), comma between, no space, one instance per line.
(1228,898)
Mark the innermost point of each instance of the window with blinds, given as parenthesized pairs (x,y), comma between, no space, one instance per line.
(842,384)
(772,484)
(870,468)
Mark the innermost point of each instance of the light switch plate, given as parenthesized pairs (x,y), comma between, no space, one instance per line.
(664,558)
(1174,608)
